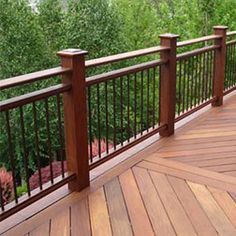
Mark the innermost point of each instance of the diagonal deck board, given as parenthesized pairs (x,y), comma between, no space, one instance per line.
(184,186)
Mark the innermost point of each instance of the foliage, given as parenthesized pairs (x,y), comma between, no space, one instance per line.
(46,174)
(21,190)
(22,46)
(57,166)
(6,185)
(95,147)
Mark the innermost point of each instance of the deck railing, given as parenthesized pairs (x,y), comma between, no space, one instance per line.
(89,119)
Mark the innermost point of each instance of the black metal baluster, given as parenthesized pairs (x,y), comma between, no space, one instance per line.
(135,105)
(184,88)
(159,96)
(188,80)
(60,134)
(192,82)
(114,114)
(90,125)
(142,102)
(121,110)
(98,120)
(147,114)
(49,139)
(107,118)
(180,87)
(153,99)
(24,150)
(1,197)
(10,152)
(37,145)
(128,106)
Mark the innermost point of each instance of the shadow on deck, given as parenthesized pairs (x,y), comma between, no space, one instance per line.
(181,185)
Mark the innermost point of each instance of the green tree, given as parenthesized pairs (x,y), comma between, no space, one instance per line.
(93,25)
(140,23)
(23,48)
(51,16)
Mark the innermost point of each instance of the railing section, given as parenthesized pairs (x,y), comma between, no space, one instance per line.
(32,142)
(230,69)
(56,134)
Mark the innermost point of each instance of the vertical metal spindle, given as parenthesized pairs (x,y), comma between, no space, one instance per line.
(159,96)
(49,139)
(232,64)
(135,105)
(90,125)
(114,114)
(212,72)
(192,82)
(184,87)
(1,197)
(188,80)
(60,133)
(179,85)
(121,110)
(153,98)
(142,102)
(195,79)
(207,76)
(37,145)
(98,120)
(10,152)
(199,78)
(147,114)
(24,150)
(203,76)
(128,106)
(107,117)
(229,69)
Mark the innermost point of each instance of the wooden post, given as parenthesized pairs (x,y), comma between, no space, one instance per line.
(168,84)
(219,65)
(75,116)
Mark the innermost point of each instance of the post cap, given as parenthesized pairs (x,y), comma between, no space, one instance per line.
(169,36)
(223,27)
(71,52)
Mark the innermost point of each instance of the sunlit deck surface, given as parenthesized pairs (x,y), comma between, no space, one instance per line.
(181,185)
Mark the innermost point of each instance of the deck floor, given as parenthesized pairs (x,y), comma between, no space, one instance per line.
(184,185)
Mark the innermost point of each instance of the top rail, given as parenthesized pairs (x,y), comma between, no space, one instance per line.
(198,40)
(121,72)
(231,33)
(33,96)
(32,77)
(124,56)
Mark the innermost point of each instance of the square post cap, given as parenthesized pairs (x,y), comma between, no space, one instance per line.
(220,27)
(169,36)
(71,52)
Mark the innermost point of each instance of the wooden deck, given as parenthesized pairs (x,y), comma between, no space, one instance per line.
(181,185)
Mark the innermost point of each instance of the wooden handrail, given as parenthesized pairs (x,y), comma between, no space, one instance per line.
(231,42)
(32,77)
(197,52)
(34,96)
(121,72)
(198,40)
(231,33)
(124,56)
